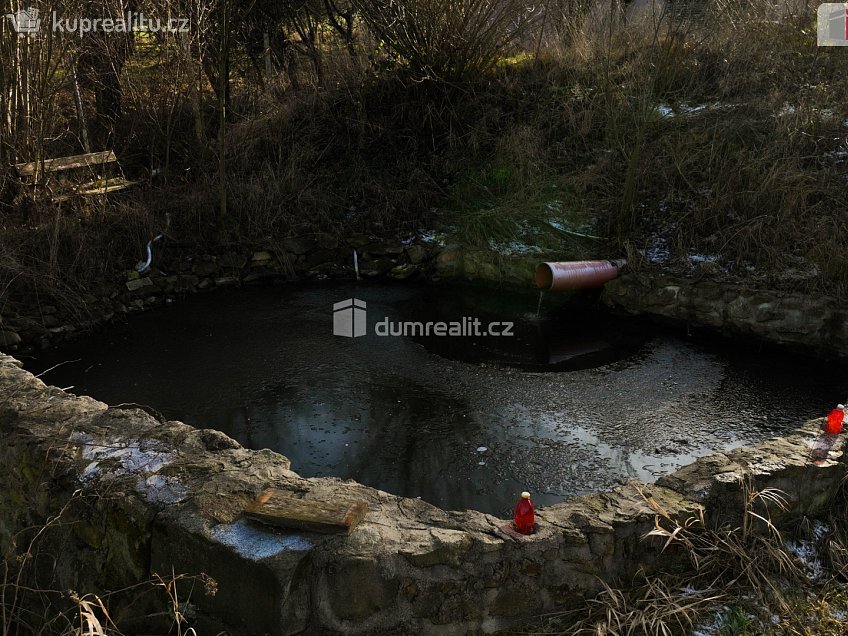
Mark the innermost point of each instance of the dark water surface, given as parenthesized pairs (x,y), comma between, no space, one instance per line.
(584,401)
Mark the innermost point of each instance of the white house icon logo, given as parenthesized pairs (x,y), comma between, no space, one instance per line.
(832,27)
(349,318)
(25,22)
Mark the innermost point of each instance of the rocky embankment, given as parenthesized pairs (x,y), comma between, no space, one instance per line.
(139,496)
(808,323)
(177,272)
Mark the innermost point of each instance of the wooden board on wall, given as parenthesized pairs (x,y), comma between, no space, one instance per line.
(284,509)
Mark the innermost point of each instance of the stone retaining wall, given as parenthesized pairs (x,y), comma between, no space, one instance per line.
(817,324)
(166,497)
(813,324)
(178,272)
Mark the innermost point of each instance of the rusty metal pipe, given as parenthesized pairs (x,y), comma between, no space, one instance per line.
(576,274)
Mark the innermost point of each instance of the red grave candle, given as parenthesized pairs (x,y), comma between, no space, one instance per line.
(525,515)
(834,420)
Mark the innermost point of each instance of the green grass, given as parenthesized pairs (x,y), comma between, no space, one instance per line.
(507,206)
(735,622)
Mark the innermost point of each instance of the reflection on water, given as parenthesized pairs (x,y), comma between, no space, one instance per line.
(264,367)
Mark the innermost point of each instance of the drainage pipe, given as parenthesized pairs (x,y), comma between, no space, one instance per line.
(576,274)
(145,265)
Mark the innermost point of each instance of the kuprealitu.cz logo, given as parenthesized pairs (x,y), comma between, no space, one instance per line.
(28,23)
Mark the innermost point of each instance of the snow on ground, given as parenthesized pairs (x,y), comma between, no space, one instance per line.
(686,109)
(837,156)
(696,259)
(712,627)
(806,551)
(255,543)
(513,248)
(431,236)
(144,458)
(162,489)
(658,252)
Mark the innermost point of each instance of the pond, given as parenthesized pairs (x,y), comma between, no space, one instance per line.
(575,401)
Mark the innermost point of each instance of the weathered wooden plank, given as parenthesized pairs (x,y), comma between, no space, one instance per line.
(284,509)
(67,163)
(103,187)
(95,188)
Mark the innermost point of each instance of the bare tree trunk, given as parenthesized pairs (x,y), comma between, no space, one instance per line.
(223,105)
(266,53)
(78,101)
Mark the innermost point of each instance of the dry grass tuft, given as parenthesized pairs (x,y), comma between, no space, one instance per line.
(30,602)
(728,563)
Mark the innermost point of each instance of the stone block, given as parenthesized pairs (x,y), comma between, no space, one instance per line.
(254,569)
(9,338)
(232,260)
(298,245)
(139,283)
(359,589)
(327,241)
(261,257)
(416,254)
(205,268)
(517,601)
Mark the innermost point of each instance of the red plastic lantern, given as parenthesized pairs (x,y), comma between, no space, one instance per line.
(834,420)
(525,515)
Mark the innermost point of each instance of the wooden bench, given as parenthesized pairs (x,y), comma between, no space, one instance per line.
(100,167)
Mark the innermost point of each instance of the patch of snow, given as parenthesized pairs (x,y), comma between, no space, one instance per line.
(823,113)
(811,272)
(514,248)
(664,110)
(564,226)
(161,489)
(124,457)
(712,628)
(690,110)
(685,109)
(701,258)
(431,236)
(838,156)
(806,551)
(144,458)
(786,109)
(554,206)
(658,252)
(256,544)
